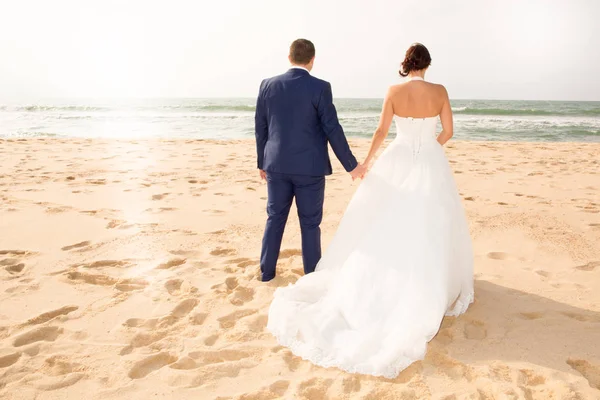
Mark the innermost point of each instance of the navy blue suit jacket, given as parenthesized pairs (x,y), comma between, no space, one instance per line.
(295,119)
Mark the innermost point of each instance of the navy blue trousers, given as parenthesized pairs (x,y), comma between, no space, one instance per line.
(309,192)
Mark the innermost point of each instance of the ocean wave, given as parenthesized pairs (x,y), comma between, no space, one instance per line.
(75,117)
(211,107)
(346,109)
(35,108)
(227,108)
(502,111)
(32,134)
(593,111)
(583,132)
(525,112)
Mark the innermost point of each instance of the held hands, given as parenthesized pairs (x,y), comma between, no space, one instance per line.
(358,172)
(361,170)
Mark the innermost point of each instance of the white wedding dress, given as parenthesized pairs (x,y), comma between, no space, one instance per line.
(401,259)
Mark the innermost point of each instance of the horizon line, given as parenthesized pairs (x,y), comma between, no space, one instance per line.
(51,98)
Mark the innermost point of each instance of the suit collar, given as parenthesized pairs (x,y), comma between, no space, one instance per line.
(297,70)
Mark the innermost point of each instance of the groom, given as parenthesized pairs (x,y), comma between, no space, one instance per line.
(295,119)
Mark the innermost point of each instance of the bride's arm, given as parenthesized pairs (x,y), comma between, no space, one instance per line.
(387,113)
(446,119)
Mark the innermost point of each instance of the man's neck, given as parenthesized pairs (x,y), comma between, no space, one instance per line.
(300,67)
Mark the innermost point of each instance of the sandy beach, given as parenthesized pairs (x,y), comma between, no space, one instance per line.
(128,270)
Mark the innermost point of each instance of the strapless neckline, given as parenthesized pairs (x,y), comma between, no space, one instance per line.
(413,118)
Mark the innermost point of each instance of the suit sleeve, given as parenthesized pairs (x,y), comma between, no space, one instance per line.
(261,127)
(333,130)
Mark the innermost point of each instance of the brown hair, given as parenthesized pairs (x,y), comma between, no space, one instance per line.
(417,58)
(302,51)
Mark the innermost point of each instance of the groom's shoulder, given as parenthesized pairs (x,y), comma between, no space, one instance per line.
(319,82)
(271,79)
(313,81)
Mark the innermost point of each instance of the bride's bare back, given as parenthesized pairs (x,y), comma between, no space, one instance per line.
(413,99)
(417,99)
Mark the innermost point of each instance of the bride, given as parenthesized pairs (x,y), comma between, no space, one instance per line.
(401,258)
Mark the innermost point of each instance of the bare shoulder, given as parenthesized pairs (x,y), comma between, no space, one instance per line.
(392,90)
(440,89)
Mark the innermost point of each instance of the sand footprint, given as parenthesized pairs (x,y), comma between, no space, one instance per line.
(174,262)
(59,365)
(274,391)
(143,340)
(589,266)
(211,340)
(198,319)
(45,334)
(497,255)
(218,356)
(351,385)
(92,279)
(9,359)
(150,364)
(103,264)
(291,361)
(114,223)
(315,388)
(223,252)
(589,371)
(530,378)
(15,268)
(258,324)
(185,253)
(287,253)
(131,284)
(243,262)
(60,382)
(531,315)
(581,317)
(96,181)
(9,261)
(184,308)
(184,363)
(475,330)
(179,311)
(230,320)
(141,323)
(542,273)
(123,285)
(50,315)
(76,245)
(12,264)
(241,295)
(173,286)
(238,295)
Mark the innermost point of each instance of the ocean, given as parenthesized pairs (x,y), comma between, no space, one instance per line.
(530,121)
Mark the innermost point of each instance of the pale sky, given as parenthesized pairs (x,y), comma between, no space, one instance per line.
(481,49)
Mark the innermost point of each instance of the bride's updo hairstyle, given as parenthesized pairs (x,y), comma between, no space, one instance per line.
(417,58)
